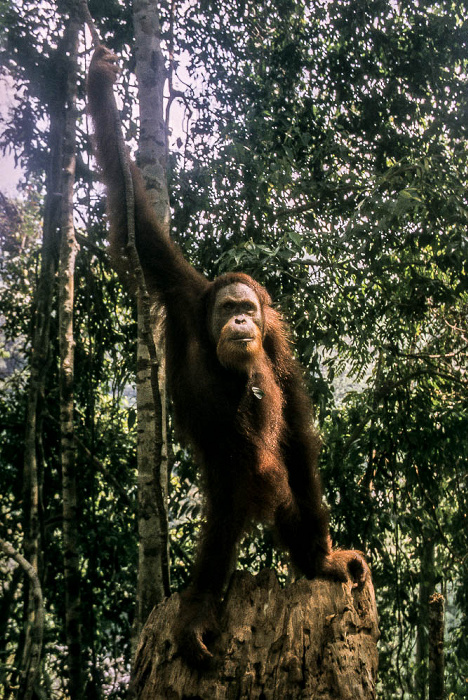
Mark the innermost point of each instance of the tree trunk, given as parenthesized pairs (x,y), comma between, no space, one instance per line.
(39,363)
(68,251)
(151,75)
(313,639)
(153,568)
(436,647)
(33,644)
(426,588)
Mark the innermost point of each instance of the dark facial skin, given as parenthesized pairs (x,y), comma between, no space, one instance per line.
(238,307)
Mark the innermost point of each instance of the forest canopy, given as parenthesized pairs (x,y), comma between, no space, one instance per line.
(320,147)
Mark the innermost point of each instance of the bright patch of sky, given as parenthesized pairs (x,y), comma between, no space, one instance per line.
(9,173)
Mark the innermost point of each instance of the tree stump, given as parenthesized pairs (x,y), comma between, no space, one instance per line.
(313,639)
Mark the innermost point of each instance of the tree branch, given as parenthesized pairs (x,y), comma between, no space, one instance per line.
(33,643)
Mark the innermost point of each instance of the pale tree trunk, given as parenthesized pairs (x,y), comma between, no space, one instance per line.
(153,569)
(313,639)
(68,251)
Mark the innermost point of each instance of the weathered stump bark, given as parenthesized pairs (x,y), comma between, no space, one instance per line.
(313,639)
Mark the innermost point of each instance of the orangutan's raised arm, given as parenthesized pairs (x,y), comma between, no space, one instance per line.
(166,271)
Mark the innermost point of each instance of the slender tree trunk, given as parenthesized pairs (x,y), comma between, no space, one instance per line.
(436,647)
(68,250)
(39,365)
(151,76)
(33,645)
(426,589)
(153,570)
